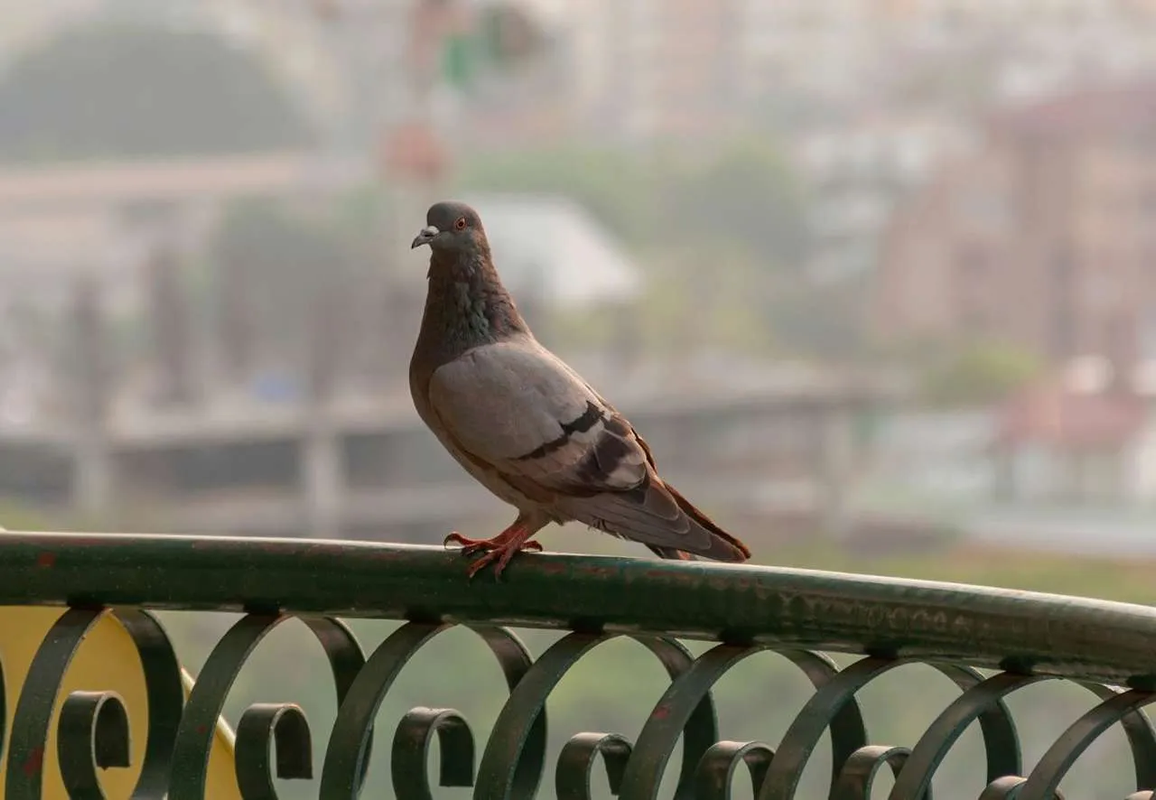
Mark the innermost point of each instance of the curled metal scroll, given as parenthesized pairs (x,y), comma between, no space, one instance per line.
(1003,788)
(946,729)
(347,756)
(26,748)
(1008,788)
(411,745)
(714,777)
(857,777)
(207,699)
(575,767)
(93,734)
(282,725)
(165,695)
(505,770)
(1044,780)
(1001,742)
(676,707)
(274,740)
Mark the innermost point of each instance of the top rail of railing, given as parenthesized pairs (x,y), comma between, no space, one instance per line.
(747,605)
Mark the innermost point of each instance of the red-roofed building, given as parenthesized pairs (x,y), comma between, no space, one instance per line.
(1056,443)
(1049,416)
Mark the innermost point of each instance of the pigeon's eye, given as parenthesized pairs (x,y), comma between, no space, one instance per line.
(460,225)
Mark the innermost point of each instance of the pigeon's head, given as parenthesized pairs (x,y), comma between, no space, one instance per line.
(452,227)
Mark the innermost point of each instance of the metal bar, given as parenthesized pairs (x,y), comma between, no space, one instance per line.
(985,627)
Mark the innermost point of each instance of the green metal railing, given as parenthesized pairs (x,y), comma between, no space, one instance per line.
(1025,638)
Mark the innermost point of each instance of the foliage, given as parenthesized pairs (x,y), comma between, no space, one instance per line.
(613,184)
(746,196)
(743,196)
(715,233)
(138,91)
(979,373)
(820,320)
(18,516)
(692,304)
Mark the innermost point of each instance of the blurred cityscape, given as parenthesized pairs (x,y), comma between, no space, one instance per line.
(871,276)
(875,269)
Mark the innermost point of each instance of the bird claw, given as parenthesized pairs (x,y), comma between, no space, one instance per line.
(491,550)
(455,537)
(470,546)
(499,557)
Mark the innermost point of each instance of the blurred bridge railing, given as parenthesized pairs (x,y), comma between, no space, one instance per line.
(989,643)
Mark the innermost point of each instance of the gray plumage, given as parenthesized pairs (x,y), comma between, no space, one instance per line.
(524,424)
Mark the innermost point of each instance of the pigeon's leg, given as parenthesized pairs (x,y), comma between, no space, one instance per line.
(501,548)
(473,546)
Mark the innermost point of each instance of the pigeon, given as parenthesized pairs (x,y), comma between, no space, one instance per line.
(525,425)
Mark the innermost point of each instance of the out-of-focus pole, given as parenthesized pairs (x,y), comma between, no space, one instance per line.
(393,56)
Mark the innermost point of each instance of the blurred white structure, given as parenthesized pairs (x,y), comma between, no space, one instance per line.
(551,247)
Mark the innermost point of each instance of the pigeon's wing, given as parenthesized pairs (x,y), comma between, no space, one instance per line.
(522,411)
(519,411)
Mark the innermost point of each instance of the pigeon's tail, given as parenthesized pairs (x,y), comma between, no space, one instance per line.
(670,553)
(656,515)
(723,544)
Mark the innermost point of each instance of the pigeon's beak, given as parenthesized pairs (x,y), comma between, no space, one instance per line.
(425,236)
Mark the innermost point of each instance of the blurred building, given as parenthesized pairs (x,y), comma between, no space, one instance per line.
(641,69)
(857,173)
(1044,237)
(553,251)
(1082,435)
(104,217)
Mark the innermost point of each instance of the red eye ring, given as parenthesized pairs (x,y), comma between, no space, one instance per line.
(460,225)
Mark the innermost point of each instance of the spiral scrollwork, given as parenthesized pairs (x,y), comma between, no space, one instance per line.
(575,766)
(693,687)
(347,755)
(982,698)
(715,776)
(857,777)
(1044,781)
(1000,739)
(93,734)
(505,753)
(198,723)
(411,743)
(1005,787)
(103,735)
(282,725)
(783,615)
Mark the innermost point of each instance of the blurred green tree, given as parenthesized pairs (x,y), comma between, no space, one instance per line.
(721,235)
(824,320)
(979,373)
(141,91)
(744,198)
(615,186)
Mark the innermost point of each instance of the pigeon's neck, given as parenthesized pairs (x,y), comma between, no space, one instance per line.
(467,305)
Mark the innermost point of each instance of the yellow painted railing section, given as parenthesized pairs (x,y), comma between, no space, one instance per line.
(107,660)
